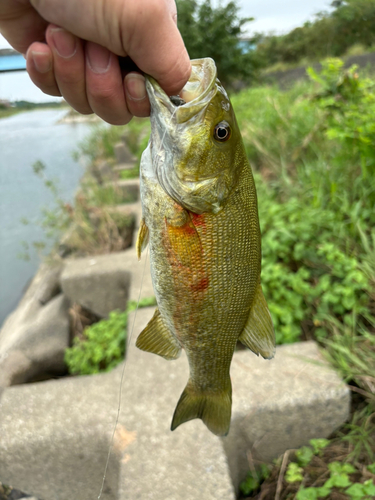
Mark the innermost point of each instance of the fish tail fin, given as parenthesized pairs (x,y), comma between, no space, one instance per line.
(213,408)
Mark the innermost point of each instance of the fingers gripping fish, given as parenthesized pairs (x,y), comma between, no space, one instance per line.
(200,218)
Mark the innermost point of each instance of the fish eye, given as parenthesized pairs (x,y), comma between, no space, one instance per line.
(222,132)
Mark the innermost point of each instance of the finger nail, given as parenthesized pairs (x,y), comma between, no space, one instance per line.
(135,86)
(42,61)
(98,58)
(65,43)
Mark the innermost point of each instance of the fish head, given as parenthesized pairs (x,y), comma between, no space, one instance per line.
(196,144)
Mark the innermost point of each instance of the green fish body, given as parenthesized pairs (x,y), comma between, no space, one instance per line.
(200,219)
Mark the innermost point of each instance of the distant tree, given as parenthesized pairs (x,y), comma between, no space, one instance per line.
(330,34)
(216,32)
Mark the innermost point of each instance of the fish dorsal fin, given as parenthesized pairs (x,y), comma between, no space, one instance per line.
(258,334)
(157,338)
(142,238)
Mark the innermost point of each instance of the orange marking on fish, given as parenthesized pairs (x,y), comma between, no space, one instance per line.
(201,285)
(198,220)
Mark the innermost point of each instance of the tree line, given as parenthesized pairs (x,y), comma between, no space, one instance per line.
(220,32)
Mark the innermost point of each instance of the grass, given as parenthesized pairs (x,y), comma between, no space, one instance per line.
(312,148)
(100,143)
(5,112)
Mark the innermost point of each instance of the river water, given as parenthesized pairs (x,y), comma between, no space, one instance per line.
(24,139)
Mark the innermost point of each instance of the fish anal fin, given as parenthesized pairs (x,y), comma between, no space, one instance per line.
(214,409)
(258,334)
(142,238)
(157,338)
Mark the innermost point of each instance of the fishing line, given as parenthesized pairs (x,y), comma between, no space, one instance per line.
(129,338)
(122,379)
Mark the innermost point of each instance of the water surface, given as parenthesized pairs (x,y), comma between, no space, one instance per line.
(24,139)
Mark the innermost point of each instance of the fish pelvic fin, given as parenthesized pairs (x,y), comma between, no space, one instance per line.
(157,338)
(258,334)
(213,408)
(142,238)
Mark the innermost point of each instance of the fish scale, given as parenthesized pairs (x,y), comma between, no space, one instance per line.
(200,218)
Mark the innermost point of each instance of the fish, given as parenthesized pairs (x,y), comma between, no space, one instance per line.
(200,220)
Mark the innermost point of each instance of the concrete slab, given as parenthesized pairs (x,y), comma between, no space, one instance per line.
(188,464)
(281,404)
(98,283)
(122,153)
(129,209)
(55,436)
(128,189)
(141,283)
(119,167)
(33,340)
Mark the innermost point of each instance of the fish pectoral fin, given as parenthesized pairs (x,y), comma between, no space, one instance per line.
(142,239)
(258,334)
(213,408)
(157,338)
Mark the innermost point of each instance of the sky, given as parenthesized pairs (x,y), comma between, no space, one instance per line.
(277,16)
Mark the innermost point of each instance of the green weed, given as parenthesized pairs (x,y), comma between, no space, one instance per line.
(102,345)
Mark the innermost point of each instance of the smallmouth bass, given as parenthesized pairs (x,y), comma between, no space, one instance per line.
(200,218)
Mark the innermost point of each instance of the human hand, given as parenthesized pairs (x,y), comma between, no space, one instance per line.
(72,46)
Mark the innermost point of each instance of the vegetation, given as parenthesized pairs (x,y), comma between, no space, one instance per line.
(349,23)
(92,225)
(312,150)
(100,143)
(19,106)
(315,471)
(215,32)
(101,346)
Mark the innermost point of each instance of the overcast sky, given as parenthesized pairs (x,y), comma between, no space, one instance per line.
(270,15)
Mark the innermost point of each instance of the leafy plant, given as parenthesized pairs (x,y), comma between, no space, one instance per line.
(102,345)
(293,473)
(304,272)
(254,479)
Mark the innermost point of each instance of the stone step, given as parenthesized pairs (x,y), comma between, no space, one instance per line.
(122,153)
(124,166)
(188,464)
(281,404)
(128,189)
(54,436)
(99,283)
(132,209)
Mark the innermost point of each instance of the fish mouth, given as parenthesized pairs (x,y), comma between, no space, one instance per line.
(196,94)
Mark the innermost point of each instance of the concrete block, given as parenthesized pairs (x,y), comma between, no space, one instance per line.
(127,189)
(122,153)
(141,283)
(55,437)
(100,283)
(281,404)
(124,166)
(129,209)
(34,346)
(103,171)
(188,464)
